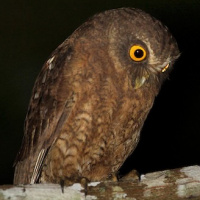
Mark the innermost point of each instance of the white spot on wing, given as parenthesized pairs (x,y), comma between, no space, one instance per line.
(36,95)
(50,64)
(38,164)
(44,77)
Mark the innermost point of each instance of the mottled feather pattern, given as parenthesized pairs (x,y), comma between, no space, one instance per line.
(91,99)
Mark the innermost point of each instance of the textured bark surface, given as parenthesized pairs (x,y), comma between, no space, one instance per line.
(183,183)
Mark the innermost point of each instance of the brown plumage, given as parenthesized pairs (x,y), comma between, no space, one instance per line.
(92,97)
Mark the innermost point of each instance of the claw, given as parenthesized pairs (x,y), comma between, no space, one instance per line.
(84,183)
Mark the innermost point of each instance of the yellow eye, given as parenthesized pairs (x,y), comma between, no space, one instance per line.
(137,53)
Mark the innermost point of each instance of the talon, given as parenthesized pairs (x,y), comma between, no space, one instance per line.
(62,184)
(84,183)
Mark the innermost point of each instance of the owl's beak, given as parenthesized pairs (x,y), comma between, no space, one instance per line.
(139,81)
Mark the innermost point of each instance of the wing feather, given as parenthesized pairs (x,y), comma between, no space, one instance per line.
(47,112)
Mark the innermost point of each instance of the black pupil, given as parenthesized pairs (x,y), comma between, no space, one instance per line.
(138,53)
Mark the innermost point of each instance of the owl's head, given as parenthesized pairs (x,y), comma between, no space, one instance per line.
(137,43)
(143,45)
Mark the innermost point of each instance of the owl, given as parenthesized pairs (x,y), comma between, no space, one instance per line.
(92,96)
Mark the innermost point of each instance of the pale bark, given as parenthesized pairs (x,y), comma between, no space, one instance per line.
(174,184)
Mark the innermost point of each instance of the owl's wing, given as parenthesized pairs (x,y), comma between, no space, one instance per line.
(50,105)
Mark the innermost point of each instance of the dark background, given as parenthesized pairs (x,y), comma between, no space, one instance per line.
(31,30)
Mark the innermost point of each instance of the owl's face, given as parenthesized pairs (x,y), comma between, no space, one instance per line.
(144,46)
(136,42)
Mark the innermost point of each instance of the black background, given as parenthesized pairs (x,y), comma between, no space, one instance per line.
(31,30)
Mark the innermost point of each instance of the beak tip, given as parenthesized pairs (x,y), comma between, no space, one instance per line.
(139,82)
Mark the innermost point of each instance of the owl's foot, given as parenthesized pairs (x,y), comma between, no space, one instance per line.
(84,183)
(133,176)
(62,185)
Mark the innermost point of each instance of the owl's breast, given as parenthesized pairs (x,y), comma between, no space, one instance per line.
(102,127)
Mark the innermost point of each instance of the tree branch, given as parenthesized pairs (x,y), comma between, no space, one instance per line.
(183,183)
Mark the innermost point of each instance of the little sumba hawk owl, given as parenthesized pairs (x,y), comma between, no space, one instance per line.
(92,96)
